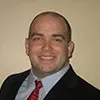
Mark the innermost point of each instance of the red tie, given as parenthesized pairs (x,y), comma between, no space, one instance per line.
(35,94)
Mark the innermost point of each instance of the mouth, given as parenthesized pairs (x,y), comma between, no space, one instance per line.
(46,58)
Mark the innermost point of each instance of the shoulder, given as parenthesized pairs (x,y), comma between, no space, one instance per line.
(15,77)
(84,88)
(86,84)
(80,85)
(80,82)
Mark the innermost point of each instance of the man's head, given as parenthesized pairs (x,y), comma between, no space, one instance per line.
(49,44)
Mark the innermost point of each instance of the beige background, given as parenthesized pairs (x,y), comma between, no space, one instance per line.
(84,17)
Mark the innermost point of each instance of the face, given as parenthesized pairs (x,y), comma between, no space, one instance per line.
(47,46)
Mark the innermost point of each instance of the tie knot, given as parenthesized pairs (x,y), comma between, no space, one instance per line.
(38,84)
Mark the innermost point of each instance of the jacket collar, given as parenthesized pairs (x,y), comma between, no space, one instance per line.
(17,81)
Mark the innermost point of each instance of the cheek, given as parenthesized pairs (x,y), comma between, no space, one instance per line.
(33,49)
(62,51)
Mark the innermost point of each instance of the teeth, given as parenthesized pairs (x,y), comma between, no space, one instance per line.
(47,58)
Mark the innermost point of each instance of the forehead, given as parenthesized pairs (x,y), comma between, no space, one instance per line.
(48,21)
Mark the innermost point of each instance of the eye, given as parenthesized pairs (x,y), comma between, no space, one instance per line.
(57,39)
(36,39)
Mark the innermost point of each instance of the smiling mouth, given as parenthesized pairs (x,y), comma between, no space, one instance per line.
(46,58)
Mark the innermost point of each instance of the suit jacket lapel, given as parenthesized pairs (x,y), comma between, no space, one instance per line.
(17,81)
(63,87)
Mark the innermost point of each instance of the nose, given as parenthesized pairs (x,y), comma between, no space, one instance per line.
(47,45)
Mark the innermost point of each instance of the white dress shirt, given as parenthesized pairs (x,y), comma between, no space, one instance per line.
(48,82)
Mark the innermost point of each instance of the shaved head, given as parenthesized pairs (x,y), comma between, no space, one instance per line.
(54,15)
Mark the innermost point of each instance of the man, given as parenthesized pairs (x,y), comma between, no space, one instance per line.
(49,47)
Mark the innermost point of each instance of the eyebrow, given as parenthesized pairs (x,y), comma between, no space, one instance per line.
(35,34)
(58,35)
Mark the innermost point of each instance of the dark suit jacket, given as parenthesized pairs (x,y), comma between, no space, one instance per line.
(69,87)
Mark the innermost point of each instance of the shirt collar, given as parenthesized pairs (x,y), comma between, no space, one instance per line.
(49,81)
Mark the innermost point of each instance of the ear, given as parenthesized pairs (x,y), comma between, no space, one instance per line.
(70,49)
(27,46)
